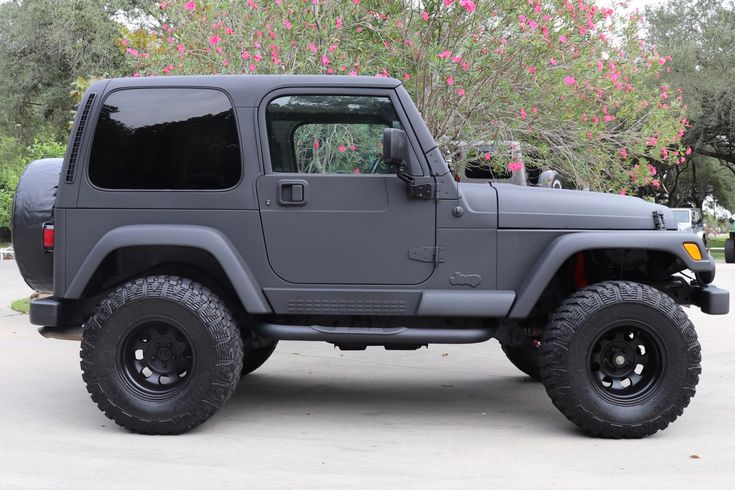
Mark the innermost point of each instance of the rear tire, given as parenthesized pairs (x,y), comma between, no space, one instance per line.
(525,357)
(161,355)
(620,359)
(254,357)
(730,251)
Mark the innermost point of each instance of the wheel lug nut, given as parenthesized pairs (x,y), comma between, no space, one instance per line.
(620,360)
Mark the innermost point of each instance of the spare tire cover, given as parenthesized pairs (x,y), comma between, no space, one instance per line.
(33,206)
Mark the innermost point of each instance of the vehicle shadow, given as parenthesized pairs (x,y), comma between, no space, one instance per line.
(515,401)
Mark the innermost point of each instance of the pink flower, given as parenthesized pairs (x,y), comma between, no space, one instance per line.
(444,55)
(214,40)
(181,48)
(168,68)
(447,3)
(468,5)
(450,81)
(523,114)
(562,39)
(245,55)
(515,166)
(460,92)
(652,141)
(569,80)
(190,6)
(531,70)
(457,59)
(325,60)
(488,157)
(609,117)
(688,150)
(225,62)
(342,148)
(406,76)
(312,47)
(352,73)
(316,144)
(353,147)
(339,22)
(287,24)
(357,171)
(553,61)
(624,153)
(163,5)
(425,15)
(229,30)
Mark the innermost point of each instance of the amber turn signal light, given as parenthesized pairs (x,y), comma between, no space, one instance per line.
(693,250)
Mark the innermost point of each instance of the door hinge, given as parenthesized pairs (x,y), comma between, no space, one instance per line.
(434,255)
(658,220)
(421,191)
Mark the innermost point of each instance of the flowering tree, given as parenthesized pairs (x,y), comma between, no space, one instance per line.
(572,81)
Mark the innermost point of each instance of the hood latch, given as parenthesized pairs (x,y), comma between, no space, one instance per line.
(658,220)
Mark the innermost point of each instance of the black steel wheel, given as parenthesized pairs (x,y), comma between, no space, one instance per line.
(161,355)
(156,358)
(525,357)
(626,362)
(620,359)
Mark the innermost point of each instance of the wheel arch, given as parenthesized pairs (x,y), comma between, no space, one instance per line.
(565,247)
(201,238)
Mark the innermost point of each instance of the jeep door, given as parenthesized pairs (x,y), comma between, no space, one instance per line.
(332,212)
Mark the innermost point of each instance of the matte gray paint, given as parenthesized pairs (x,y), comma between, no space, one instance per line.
(567,245)
(208,239)
(532,208)
(464,303)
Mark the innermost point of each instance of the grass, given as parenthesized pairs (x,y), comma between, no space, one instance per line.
(715,243)
(21,305)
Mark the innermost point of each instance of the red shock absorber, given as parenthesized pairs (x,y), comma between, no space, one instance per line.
(580,271)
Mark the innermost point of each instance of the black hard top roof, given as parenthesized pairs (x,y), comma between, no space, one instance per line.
(248,90)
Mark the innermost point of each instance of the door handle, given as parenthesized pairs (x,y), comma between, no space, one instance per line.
(293,192)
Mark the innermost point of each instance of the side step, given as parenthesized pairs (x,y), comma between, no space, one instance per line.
(375,335)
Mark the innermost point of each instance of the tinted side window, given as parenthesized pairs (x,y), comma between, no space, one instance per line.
(166,139)
(329,134)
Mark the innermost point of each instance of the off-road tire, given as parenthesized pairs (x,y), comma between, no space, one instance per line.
(730,251)
(525,357)
(189,314)
(254,357)
(577,329)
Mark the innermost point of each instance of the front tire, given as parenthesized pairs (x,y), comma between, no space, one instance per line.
(620,359)
(161,355)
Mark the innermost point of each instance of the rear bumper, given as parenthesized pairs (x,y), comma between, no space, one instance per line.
(57,319)
(712,300)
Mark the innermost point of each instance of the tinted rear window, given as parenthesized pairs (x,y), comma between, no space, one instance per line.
(169,139)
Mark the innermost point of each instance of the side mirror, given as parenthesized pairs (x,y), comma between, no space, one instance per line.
(395,147)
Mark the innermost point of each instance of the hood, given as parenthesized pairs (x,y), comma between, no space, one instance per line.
(538,207)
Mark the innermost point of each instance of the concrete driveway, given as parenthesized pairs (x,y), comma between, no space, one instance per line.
(315,417)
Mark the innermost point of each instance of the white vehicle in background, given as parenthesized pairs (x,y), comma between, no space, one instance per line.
(690,219)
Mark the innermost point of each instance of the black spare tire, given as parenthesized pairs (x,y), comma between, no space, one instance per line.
(33,206)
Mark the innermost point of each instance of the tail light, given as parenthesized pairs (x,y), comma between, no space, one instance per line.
(48,238)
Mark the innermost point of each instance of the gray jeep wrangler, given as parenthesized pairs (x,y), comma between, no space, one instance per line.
(196,221)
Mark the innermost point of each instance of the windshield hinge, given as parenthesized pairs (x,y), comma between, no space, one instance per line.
(421,191)
(434,255)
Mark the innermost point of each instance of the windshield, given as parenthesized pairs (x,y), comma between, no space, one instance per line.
(681,216)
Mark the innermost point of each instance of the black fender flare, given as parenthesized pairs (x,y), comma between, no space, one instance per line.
(201,237)
(567,245)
